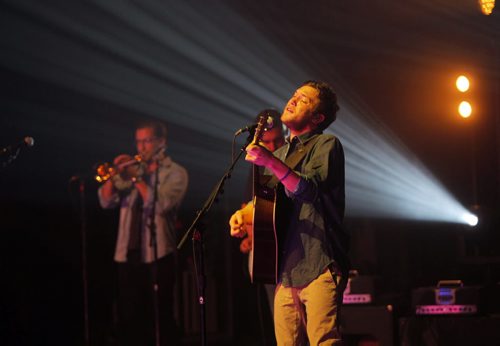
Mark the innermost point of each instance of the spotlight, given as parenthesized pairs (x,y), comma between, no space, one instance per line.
(464,109)
(470,219)
(462,83)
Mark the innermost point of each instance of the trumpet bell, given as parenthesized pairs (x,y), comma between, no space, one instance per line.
(104,172)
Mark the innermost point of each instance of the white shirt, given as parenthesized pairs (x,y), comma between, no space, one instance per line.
(172,186)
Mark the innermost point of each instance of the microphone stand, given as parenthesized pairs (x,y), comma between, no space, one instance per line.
(197,239)
(83,234)
(154,244)
(12,151)
(10,157)
(83,218)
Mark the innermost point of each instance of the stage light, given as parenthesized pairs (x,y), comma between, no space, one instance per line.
(465,109)
(385,180)
(471,219)
(486,6)
(462,83)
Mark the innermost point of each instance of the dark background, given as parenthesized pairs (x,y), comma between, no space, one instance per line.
(398,59)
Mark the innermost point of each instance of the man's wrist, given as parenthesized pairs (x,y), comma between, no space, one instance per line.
(286,174)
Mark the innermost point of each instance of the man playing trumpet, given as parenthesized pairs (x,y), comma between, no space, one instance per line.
(132,188)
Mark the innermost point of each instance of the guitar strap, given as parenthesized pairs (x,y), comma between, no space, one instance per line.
(293,160)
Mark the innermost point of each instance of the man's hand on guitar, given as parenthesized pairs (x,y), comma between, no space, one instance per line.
(241,221)
(246,245)
(258,155)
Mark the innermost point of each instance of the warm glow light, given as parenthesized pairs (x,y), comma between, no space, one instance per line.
(465,109)
(462,83)
(486,6)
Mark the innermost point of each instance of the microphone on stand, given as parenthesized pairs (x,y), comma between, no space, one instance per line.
(159,153)
(13,148)
(251,128)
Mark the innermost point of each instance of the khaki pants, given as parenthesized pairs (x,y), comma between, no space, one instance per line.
(309,312)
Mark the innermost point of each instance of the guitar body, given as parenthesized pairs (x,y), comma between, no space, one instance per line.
(264,255)
(263,260)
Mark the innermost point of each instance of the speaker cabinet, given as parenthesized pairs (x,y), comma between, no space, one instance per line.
(450,330)
(367,325)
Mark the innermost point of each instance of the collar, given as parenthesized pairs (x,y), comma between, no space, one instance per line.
(303,138)
(166,161)
(300,141)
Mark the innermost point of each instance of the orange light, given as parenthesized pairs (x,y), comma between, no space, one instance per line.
(462,83)
(465,109)
(486,6)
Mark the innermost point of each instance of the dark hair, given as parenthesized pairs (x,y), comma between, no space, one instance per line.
(159,128)
(273,113)
(327,102)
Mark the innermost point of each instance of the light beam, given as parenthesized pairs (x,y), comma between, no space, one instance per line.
(207,69)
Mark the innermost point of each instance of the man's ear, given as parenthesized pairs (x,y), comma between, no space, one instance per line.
(318,118)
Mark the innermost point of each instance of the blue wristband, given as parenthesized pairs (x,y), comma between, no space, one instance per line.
(286,174)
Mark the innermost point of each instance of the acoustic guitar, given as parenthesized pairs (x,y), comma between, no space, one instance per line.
(263,260)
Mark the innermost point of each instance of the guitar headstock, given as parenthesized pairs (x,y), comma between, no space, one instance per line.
(263,123)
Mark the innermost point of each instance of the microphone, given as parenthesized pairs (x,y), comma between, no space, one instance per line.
(250,128)
(26,142)
(159,153)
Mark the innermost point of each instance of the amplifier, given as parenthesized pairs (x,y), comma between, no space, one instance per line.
(449,297)
(360,289)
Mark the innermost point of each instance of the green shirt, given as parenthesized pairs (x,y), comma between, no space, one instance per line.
(311,236)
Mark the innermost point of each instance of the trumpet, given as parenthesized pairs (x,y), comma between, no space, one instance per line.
(106,170)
